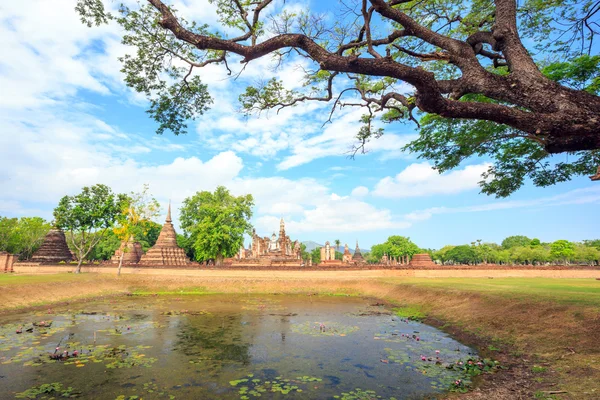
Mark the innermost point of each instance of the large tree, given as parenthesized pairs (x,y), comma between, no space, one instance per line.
(87,216)
(22,236)
(514,81)
(216,223)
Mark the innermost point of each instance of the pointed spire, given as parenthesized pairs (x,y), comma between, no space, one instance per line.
(169,213)
(357,244)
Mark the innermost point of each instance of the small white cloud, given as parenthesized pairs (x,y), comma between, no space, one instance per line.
(422,180)
(360,191)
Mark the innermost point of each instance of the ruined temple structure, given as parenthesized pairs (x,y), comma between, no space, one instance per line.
(133,253)
(357,258)
(165,251)
(270,251)
(6,262)
(54,249)
(421,260)
(347,257)
(328,254)
(280,246)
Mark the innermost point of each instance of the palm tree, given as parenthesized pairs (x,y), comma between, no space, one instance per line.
(337,244)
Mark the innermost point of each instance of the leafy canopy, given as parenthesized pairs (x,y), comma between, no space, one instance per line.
(216,223)
(87,216)
(515,82)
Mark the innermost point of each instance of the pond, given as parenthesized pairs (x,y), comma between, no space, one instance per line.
(227,347)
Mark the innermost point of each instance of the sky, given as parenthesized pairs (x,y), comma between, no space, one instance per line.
(67,120)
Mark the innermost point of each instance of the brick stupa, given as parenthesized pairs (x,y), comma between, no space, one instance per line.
(54,249)
(357,256)
(421,260)
(132,255)
(165,252)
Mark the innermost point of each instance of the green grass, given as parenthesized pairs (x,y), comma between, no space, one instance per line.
(410,312)
(571,291)
(12,279)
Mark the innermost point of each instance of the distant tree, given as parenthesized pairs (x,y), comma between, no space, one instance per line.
(315,256)
(337,244)
(137,210)
(216,223)
(8,239)
(586,254)
(377,252)
(463,254)
(305,254)
(87,216)
(562,250)
(396,247)
(186,244)
(592,243)
(441,254)
(105,248)
(514,241)
(535,242)
(339,256)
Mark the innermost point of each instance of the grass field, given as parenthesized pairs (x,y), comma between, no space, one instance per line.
(547,331)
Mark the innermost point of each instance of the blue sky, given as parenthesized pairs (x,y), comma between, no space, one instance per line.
(67,120)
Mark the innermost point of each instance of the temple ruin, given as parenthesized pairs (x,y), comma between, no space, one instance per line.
(347,256)
(357,258)
(6,262)
(165,251)
(421,260)
(54,249)
(132,253)
(328,254)
(274,250)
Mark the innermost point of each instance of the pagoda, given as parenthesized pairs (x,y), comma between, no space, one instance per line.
(54,249)
(357,256)
(165,251)
(133,252)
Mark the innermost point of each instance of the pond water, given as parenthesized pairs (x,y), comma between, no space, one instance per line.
(226,347)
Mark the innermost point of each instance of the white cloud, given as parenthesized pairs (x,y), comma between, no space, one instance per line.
(590,195)
(360,191)
(422,180)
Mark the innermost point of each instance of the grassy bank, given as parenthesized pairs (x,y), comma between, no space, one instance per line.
(546,330)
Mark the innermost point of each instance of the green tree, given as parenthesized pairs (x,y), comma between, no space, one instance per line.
(187,245)
(483,75)
(592,243)
(87,216)
(315,256)
(337,245)
(305,254)
(562,250)
(514,241)
(8,237)
(586,254)
(462,254)
(137,210)
(30,235)
(216,223)
(22,236)
(105,248)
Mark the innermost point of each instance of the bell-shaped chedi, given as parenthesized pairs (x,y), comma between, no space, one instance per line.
(54,249)
(133,252)
(357,256)
(165,251)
